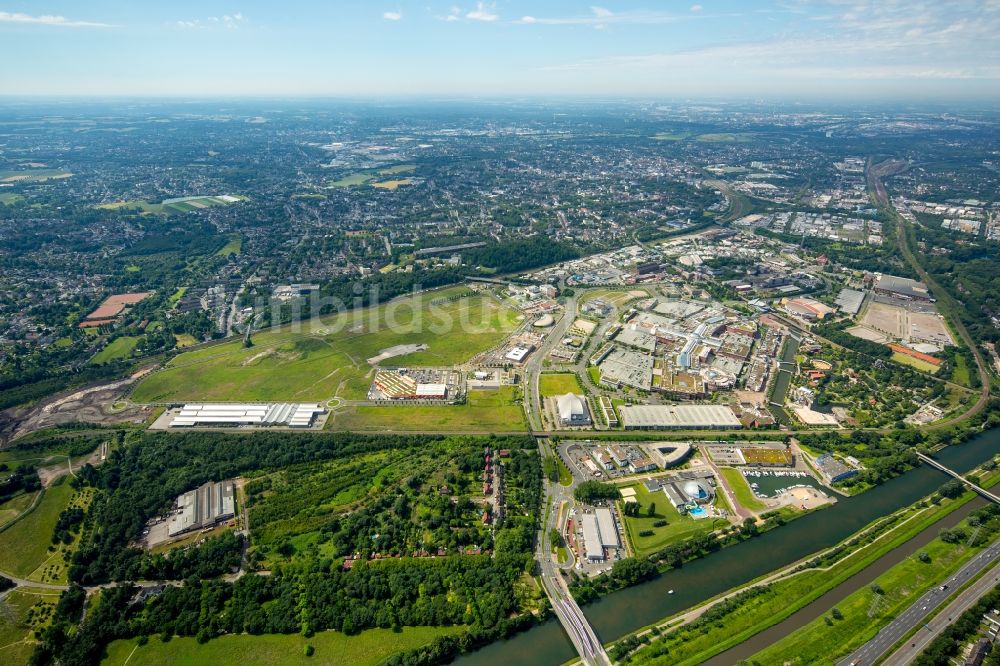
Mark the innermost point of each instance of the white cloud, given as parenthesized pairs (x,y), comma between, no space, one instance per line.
(483,12)
(48,19)
(229,21)
(392,16)
(696,8)
(600,17)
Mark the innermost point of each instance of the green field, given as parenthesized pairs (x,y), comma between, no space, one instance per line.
(399,168)
(724,138)
(678,527)
(187,205)
(365,649)
(328,357)
(10,198)
(177,295)
(24,611)
(671,136)
(33,175)
(550,384)
(119,348)
(351,180)
(234,246)
(819,643)
(740,487)
(13,507)
(960,374)
(922,366)
(485,411)
(24,546)
(184,339)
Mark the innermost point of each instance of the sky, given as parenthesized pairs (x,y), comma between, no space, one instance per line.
(786,49)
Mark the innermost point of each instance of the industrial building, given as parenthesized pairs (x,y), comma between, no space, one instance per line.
(293,415)
(518,354)
(573,410)
(900,287)
(678,417)
(850,300)
(203,507)
(397,386)
(599,533)
(832,469)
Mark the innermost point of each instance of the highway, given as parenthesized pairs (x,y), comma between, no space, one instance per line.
(915,615)
(969,596)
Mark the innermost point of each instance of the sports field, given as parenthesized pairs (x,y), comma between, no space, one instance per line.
(331,647)
(327,357)
(485,411)
(551,384)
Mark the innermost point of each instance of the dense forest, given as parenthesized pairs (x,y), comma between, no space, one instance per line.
(304,595)
(519,255)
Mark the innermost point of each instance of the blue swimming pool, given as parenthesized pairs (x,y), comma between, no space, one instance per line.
(697,513)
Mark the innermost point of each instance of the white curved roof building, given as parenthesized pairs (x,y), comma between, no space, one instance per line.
(572,410)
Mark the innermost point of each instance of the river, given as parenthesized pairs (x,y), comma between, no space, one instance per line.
(627,610)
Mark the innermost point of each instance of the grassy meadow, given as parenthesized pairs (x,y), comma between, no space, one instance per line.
(367,648)
(328,357)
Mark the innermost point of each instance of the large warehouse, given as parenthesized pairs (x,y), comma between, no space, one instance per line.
(293,415)
(678,417)
(203,507)
(599,533)
(900,287)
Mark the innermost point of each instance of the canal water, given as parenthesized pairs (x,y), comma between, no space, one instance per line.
(627,610)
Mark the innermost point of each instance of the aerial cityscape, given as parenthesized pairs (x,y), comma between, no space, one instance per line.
(498,333)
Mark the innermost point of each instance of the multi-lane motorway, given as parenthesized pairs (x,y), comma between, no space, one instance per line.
(911,649)
(916,614)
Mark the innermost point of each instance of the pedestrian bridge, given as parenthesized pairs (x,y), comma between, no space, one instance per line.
(982,491)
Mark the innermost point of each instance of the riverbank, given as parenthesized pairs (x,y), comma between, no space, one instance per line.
(785,592)
(626,611)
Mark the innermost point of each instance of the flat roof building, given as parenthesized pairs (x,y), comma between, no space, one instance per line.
(900,287)
(592,538)
(606,526)
(518,354)
(204,506)
(293,415)
(677,417)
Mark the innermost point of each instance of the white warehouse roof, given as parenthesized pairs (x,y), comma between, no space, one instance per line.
(679,417)
(290,414)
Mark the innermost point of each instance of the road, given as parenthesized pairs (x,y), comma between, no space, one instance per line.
(574,623)
(915,615)
(969,596)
